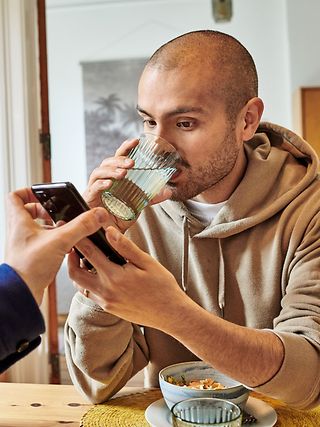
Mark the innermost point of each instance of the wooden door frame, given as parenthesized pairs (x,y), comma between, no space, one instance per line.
(303,90)
(46,172)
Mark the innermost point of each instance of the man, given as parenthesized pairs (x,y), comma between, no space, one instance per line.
(33,257)
(238,278)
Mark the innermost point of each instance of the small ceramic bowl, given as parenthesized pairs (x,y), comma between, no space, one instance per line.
(234,391)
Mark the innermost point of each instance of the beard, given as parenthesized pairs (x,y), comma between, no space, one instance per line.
(211,172)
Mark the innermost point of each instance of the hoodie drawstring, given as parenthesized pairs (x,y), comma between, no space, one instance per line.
(185,267)
(222,281)
(185,255)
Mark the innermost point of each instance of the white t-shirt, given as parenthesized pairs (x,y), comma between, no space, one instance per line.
(204,212)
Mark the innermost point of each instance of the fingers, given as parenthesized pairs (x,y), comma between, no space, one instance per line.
(83,225)
(92,195)
(80,275)
(101,179)
(16,212)
(24,194)
(20,201)
(126,248)
(127,146)
(93,254)
(112,168)
(37,211)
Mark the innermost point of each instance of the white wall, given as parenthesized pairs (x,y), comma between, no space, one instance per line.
(304,38)
(123,29)
(304,52)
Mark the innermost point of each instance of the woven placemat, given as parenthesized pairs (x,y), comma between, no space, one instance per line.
(290,417)
(128,411)
(124,411)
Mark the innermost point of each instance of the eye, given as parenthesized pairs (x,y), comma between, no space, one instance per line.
(185,124)
(149,123)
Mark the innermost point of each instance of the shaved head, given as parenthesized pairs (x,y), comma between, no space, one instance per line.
(232,70)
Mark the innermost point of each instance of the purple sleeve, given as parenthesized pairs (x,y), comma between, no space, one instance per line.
(21,321)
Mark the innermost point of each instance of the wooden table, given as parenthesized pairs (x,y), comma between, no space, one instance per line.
(44,405)
(50,405)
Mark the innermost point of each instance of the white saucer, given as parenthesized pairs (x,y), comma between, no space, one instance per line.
(158,415)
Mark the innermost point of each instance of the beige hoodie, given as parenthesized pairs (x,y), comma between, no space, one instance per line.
(257,264)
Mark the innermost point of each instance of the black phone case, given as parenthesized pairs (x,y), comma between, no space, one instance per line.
(63,202)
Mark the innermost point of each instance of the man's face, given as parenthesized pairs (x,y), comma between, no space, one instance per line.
(180,105)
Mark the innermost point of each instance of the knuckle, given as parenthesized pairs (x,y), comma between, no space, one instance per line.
(86,250)
(72,271)
(107,162)
(88,222)
(65,243)
(95,172)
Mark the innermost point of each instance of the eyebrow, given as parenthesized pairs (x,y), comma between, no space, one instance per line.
(178,110)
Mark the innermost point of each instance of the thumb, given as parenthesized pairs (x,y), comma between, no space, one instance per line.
(80,227)
(126,247)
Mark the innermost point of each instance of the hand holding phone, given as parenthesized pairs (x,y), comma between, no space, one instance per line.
(63,202)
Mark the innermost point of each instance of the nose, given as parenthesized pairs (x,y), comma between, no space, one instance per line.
(167,135)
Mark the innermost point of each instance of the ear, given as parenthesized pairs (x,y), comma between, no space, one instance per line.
(252,113)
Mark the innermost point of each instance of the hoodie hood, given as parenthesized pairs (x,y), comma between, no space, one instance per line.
(280,164)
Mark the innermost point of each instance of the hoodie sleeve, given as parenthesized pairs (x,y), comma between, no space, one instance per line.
(102,351)
(298,381)
(21,321)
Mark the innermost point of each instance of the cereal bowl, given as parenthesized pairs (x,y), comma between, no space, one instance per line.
(183,373)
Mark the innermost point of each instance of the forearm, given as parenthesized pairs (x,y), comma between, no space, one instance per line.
(249,355)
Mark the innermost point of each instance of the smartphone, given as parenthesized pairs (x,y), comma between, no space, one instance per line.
(63,202)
